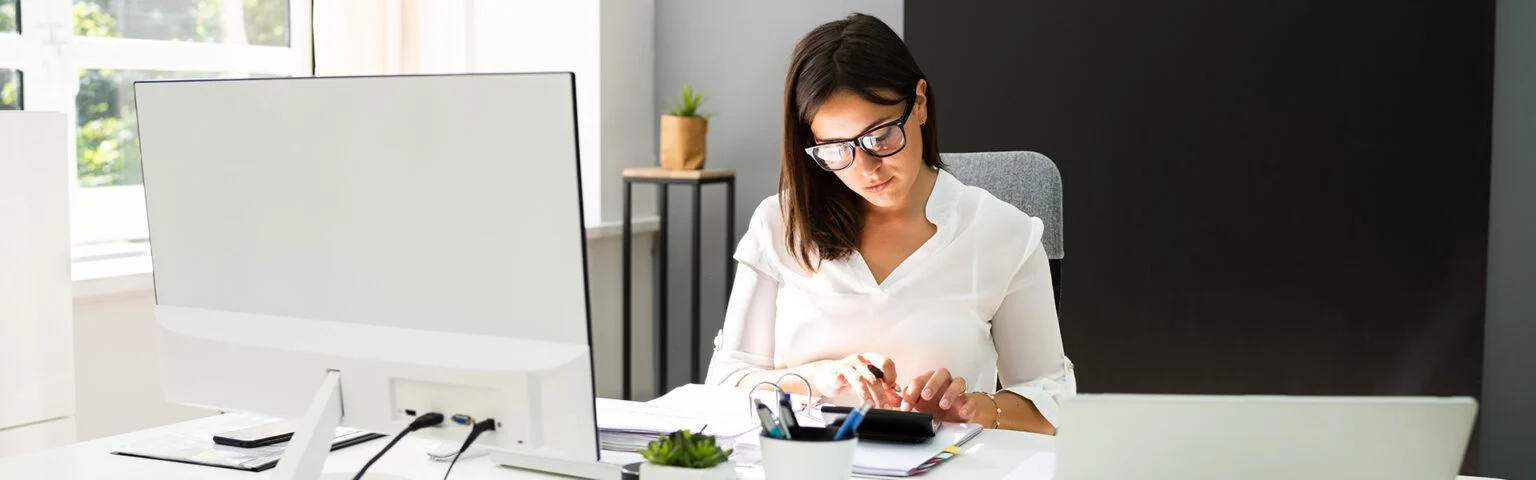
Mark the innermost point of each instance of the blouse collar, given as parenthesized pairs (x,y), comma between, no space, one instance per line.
(943,203)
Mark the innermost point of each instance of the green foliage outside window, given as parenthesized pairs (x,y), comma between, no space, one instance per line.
(107,145)
(107,148)
(10,90)
(10,82)
(8,16)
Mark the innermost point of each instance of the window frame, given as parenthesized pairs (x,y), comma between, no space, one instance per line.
(50,58)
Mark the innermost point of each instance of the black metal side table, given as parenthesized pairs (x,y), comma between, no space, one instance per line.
(664,178)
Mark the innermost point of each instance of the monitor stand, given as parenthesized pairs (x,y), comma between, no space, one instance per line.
(305,455)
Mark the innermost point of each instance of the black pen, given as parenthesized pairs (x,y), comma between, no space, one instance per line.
(879,375)
(786,412)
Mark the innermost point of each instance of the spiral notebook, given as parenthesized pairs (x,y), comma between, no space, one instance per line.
(887,460)
(899,460)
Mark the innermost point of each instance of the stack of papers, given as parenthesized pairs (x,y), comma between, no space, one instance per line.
(723,412)
(728,409)
(629,426)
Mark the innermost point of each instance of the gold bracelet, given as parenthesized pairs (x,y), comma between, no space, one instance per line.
(997,419)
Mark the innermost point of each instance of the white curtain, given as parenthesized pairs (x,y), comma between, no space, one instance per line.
(367,37)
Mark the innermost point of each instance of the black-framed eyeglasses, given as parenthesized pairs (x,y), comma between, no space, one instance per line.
(879,142)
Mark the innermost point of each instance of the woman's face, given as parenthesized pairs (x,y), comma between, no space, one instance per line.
(883,182)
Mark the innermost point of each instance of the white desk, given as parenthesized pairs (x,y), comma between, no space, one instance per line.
(993,454)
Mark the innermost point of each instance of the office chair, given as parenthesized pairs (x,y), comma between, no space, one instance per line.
(1027,180)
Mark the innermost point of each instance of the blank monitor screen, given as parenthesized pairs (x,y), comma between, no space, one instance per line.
(447,203)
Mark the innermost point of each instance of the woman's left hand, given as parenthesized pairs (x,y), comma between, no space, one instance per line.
(939,394)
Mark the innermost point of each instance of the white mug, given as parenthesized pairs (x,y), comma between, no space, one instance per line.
(811,456)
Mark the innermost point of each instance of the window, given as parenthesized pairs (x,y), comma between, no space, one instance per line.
(241,22)
(10,78)
(81,57)
(8,13)
(10,89)
(107,145)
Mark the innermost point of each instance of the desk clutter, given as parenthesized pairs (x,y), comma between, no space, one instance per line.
(199,447)
(625,426)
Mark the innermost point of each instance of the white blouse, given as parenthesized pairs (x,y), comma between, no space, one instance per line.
(975,298)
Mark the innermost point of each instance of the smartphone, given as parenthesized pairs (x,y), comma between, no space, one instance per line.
(257,436)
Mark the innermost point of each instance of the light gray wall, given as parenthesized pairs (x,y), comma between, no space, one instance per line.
(737,53)
(1509,362)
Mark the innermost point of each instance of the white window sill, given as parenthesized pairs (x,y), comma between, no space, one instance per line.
(126,270)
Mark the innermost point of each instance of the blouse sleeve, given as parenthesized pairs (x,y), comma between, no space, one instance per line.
(1030,360)
(746,343)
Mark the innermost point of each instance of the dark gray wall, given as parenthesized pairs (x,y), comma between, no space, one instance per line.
(736,52)
(1263,197)
(1509,378)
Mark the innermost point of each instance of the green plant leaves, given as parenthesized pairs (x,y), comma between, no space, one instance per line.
(687,104)
(684,449)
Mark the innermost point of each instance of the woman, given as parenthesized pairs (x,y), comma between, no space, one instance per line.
(873,256)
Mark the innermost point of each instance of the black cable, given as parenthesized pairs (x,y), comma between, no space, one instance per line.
(486,425)
(431,419)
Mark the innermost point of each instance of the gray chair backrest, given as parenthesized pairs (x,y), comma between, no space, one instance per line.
(1027,180)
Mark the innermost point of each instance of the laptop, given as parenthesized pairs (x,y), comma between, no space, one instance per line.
(1157,437)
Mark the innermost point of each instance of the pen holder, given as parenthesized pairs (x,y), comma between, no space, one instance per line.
(811,455)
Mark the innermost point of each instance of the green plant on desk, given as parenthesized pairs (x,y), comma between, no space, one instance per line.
(684,449)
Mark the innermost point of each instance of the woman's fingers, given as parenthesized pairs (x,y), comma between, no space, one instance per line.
(882,397)
(871,394)
(884,384)
(886,366)
(856,382)
(914,392)
(965,409)
(829,379)
(953,394)
(936,384)
(861,364)
(936,392)
(892,398)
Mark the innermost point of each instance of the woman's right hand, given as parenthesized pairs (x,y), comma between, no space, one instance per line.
(852,374)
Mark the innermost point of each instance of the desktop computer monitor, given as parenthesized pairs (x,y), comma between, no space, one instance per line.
(360,250)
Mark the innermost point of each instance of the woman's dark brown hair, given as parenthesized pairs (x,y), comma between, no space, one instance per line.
(823,218)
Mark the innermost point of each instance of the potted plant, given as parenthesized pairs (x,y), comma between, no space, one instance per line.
(683,131)
(682,455)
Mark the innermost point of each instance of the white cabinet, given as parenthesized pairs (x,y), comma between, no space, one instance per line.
(36,347)
(37,436)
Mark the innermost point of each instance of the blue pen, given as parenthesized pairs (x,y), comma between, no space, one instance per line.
(765,416)
(852,422)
